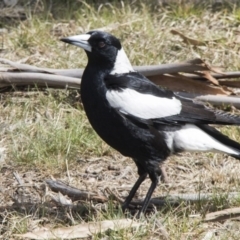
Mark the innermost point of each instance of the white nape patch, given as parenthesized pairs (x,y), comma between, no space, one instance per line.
(146,106)
(192,138)
(122,63)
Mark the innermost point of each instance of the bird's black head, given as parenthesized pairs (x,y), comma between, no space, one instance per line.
(103,41)
(102,48)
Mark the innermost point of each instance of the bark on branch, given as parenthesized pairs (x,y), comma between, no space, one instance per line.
(74,193)
(193,76)
(220,215)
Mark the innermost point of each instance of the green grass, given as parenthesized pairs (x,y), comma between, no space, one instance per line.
(46,133)
(47,130)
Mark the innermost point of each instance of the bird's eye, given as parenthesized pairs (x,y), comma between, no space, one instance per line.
(101,44)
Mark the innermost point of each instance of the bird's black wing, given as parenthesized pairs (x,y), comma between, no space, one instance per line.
(137,82)
(140,100)
(196,112)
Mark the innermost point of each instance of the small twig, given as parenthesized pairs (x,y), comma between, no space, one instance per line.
(18,178)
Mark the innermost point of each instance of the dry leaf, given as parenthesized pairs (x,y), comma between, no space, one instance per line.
(81,230)
(181,83)
(208,76)
(211,68)
(216,70)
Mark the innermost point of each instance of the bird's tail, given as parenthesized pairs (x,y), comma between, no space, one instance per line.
(233,147)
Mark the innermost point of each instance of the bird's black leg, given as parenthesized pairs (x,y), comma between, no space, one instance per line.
(141,178)
(155,178)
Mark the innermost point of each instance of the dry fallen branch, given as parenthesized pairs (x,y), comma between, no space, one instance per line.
(176,199)
(187,67)
(23,67)
(76,194)
(220,215)
(39,79)
(220,100)
(24,74)
(180,77)
(151,70)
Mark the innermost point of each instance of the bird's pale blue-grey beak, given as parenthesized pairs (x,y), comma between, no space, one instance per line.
(79,40)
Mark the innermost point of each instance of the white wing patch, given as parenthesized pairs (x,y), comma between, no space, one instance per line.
(145,106)
(122,63)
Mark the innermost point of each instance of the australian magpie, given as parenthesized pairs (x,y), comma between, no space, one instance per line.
(140,119)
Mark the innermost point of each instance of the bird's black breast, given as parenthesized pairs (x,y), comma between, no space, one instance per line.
(128,138)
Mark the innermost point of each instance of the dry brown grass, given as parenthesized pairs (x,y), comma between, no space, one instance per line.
(45,134)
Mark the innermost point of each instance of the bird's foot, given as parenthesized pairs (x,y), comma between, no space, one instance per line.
(139,214)
(124,207)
